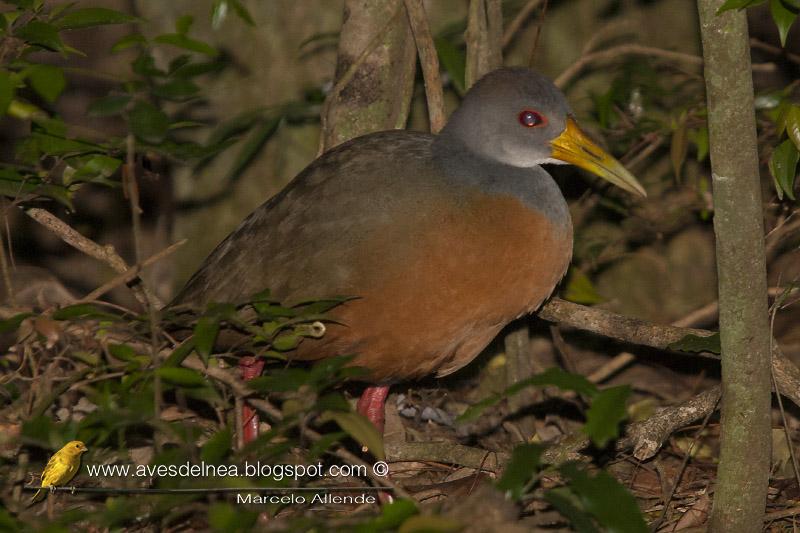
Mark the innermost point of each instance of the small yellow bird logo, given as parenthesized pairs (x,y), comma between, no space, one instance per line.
(61,467)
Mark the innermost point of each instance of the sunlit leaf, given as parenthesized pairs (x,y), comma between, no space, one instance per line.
(580,289)
(792,124)
(430,524)
(738,4)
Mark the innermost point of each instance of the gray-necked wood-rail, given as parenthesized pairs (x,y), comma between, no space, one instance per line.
(444,239)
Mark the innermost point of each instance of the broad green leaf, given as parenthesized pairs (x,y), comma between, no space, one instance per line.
(552,376)
(242,12)
(783,17)
(281,380)
(92,16)
(738,4)
(177,89)
(523,466)
(183,377)
(40,34)
(6,91)
(47,80)
(563,502)
(580,289)
(392,516)
(112,104)
(699,137)
(454,62)
(360,428)
(605,414)
(16,186)
(783,167)
(122,352)
(205,335)
(187,43)
(694,344)
(217,447)
(147,122)
(605,499)
(792,124)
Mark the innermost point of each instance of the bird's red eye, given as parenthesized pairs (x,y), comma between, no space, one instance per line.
(531,119)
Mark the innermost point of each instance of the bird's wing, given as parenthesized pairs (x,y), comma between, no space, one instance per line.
(313,239)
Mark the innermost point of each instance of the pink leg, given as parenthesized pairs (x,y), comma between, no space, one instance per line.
(372,404)
(250,367)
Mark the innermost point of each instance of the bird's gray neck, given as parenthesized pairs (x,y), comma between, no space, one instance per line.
(533,186)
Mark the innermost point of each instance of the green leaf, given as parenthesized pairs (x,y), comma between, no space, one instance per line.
(227,518)
(562,500)
(205,334)
(217,447)
(41,34)
(187,43)
(552,376)
(7,90)
(87,311)
(360,428)
(523,466)
(15,185)
(699,137)
(580,289)
(183,24)
(180,353)
(694,344)
(783,167)
(392,516)
(738,4)
(94,169)
(128,41)
(792,124)
(430,524)
(183,377)
(147,122)
(177,89)
(252,147)
(12,323)
(679,146)
(454,62)
(608,501)
(605,414)
(47,80)
(281,380)
(242,12)
(92,16)
(783,17)
(113,104)
(122,352)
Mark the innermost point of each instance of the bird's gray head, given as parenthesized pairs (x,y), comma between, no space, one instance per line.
(517,117)
(511,115)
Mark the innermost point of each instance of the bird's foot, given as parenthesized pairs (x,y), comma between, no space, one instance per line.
(372,404)
(250,368)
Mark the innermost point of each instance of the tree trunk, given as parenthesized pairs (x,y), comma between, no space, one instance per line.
(743,474)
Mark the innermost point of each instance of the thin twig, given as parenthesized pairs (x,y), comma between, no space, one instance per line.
(131,273)
(429,60)
(519,19)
